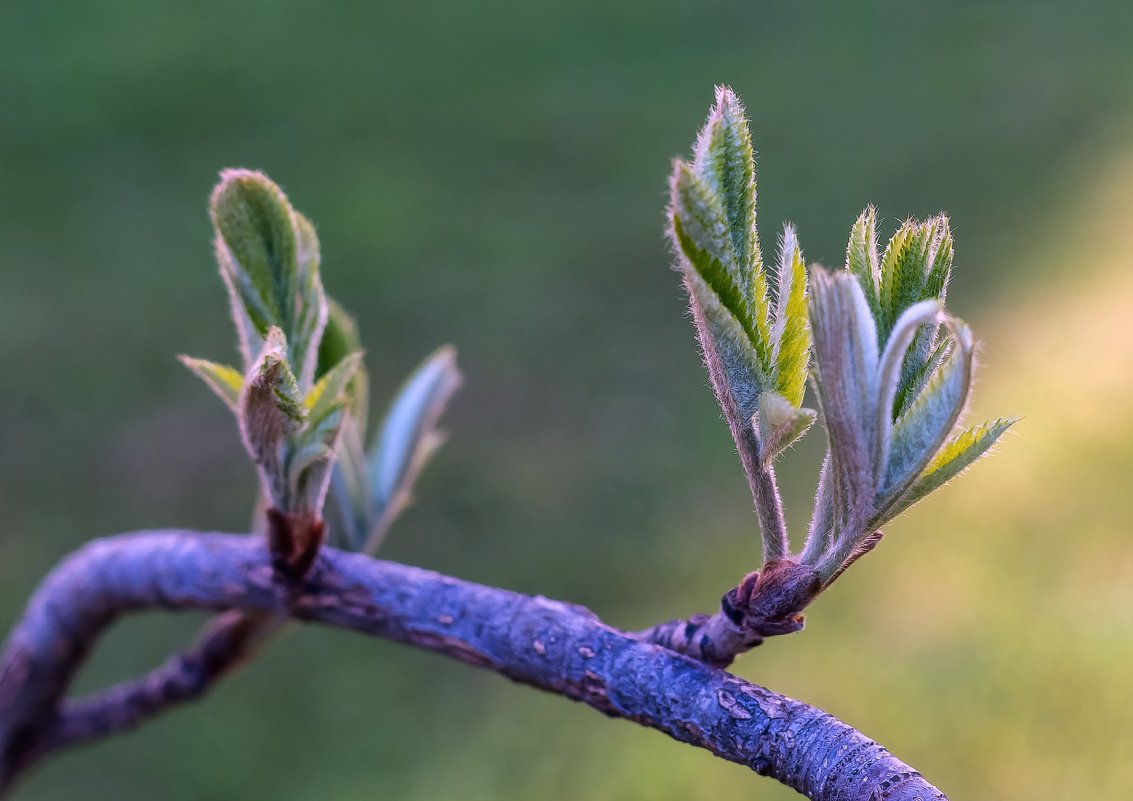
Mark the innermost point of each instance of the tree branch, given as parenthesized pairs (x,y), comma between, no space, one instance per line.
(223,644)
(551,645)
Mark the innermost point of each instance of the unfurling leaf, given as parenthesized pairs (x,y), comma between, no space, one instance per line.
(958,454)
(302,399)
(749,348)
(791,332)
(889,380)
(724,160)
(846,367)
(919,433)
(340,339)
(330,391)
(890,369)
(225,381)
(915,268)
(862,260)
(408,434)
(371,489)
(312,457)
(903,271)
(268,256)
(350,486)
(700,233)
(733,365)
(313,450)
(778,424)
(271,410)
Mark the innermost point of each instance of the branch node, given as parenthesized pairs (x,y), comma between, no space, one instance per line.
(769,602)
(294,542)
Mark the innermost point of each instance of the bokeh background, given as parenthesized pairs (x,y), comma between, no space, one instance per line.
(492,174)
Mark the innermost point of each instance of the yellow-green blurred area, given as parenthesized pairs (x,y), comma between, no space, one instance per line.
(492,174)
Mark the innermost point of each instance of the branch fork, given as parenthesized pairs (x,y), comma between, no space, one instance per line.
(553,646)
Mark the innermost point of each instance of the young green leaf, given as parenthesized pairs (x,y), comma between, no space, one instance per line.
(919,433)
(958,454)
(903,269)
(268,258)
(311,458)
(724,160)
(892,362)
(778,424)
(846,380)
(917,370)
(409,434)
(225,381)
(271,410)
(939,269)
(921,353)
(734,368)
(330,391)
(713,210)
(350,487)
(311,301)
(340,339)
(700,234)
(791,331)
(712,214)
(862,259)
(411,421)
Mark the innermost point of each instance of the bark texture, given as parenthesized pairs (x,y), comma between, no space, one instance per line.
(547,644)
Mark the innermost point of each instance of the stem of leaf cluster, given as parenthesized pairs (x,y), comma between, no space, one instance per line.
(765,494)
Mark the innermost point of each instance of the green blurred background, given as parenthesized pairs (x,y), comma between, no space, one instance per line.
(492,174)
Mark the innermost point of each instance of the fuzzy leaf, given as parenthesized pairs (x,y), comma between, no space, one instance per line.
(271,410)
(225,381)
(917,372)
(350,487)
(938,266)
(903,267)
(920,431)
(312,456)
(311,300)
(734,367)
(340,339)
(330,392)
(700,234)
(862,260)
(940,262)
(268,257)
(957,455)
(408,435)
(779,423)
(255,240)
(791,332)
(845,351)
(724,160)
(889,379)
(712,214)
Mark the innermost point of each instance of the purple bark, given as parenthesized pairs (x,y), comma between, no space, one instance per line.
(547,644)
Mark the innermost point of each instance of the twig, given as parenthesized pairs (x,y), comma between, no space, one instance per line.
(547,644)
